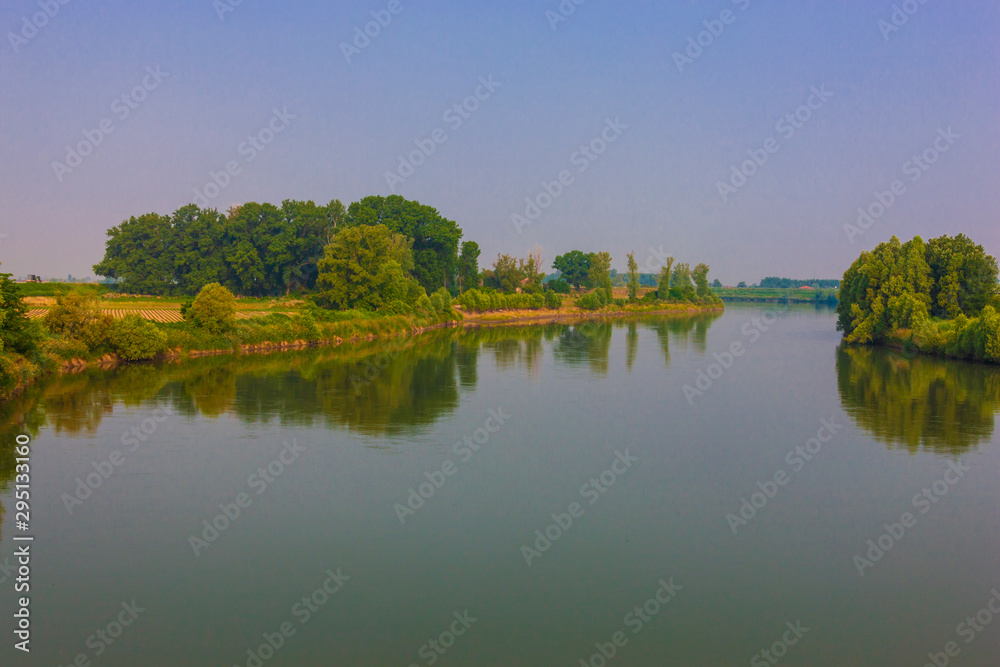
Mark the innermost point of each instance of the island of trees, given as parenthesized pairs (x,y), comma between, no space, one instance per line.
(316,273)
(938,297)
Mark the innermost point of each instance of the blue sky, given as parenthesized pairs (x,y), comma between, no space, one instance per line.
(655,186)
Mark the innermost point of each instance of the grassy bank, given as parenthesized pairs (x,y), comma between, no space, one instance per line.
(776,295)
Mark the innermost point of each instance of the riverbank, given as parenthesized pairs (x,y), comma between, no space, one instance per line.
(283,333)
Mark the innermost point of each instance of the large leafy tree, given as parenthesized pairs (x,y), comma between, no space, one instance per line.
(138,254)
(255,249)
(574,266)
(435,238)
(365,267)
(468,266)
(964,276)
(600,271)
(700,275)
(507,274)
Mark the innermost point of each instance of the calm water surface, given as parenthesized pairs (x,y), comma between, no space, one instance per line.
(500,430)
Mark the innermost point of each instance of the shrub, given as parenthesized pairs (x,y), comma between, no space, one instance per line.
(214,308)
(134,338)
(590,301)
(553,300)
(424,304)
(559,286)
(79,317)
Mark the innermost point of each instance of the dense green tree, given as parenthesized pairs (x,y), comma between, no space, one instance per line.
(468,266)
(700,275)
(214,308)
(633,279)
(600,271)
(680,283)
(17,332)
(663,286)
(356,271)
(137,254)
(574,266)
(964,276)
(891,293)
(507,274)
(435,238)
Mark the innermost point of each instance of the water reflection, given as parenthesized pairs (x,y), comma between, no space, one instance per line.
(918,402)
(378,388)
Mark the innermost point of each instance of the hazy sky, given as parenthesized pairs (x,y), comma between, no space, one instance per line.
(221,70)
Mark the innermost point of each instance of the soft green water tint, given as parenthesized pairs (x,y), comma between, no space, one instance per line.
(371,422)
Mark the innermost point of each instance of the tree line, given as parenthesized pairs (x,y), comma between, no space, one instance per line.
(266,250)
(939,297)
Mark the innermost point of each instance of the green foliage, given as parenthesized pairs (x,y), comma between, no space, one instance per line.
(600,271)
(963,277)
(365,267)
(789,283)
(552,300)
(17,333)
(468,266)
(78,317)
(633,277)
(700,275)
(681,287)
(214,309)
(134,338)
(507,274)
(479,301)
(663,289)
(575,267)
(434,238)
(891,293)
(559,286)
(257,249)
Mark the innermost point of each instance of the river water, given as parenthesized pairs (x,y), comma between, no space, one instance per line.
(691,490)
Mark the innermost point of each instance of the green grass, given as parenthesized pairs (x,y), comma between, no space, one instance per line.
(776,294)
